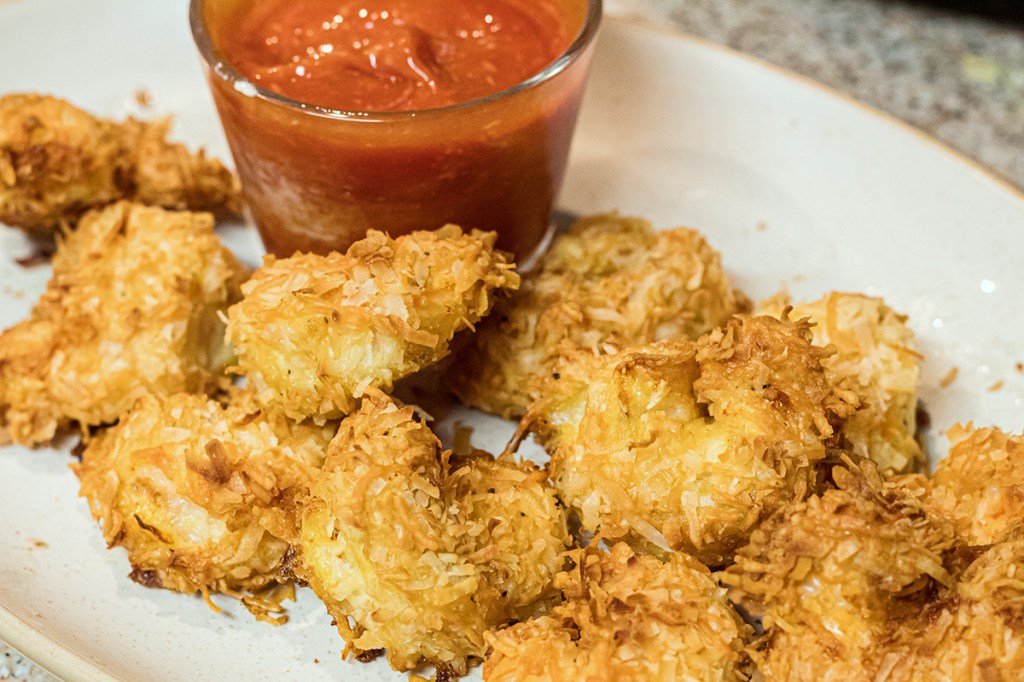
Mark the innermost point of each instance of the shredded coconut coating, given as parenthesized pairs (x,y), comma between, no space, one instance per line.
(313,333)
(876,359)
(203,497)
(683,445)
(57,162)
(132,308)
(626,618)
(978,632)
(425,551)
(610,280)
(833,577)
(980,485)
(862,583)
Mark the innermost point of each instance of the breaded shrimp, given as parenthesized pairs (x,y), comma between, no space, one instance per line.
(203,497)
(626,618)
(980,485)
(978,633)
(684,445)
(57,162)
(422,550)
(314,332)
(875,358)
(842,580)
(132,308)
(610,280)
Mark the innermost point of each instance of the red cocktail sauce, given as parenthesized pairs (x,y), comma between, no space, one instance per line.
(394,55)
(317,181)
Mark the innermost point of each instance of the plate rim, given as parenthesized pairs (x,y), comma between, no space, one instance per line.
(66,664)
(984,172)
(45,652)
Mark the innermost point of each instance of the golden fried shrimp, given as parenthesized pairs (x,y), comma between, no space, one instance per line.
(626,618)
(203,497)
(979,633)
(424,551)
(57,162)
(314,332)
(854,585)
(683,445)
(611,279)
(876,359)
(132,308)
(841,580)
(980,485)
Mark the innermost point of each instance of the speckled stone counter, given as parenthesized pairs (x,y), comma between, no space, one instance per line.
(14,666)
(958,78)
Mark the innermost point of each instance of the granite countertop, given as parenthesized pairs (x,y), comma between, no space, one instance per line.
(959,78)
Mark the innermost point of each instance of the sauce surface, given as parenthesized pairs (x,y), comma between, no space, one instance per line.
(393,55)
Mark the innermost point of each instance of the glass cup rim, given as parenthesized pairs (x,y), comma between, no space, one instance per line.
(224,70)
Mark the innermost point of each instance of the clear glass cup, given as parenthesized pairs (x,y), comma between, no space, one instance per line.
(316,178)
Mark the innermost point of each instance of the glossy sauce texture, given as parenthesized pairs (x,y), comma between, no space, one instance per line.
(393,55)
(316,180)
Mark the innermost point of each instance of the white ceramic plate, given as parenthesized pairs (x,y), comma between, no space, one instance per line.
(797,187)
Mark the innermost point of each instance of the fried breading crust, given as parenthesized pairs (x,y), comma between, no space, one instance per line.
(836,577)
(875,358)
(203,497)
(314,332)
(980,485)
(611,279)
(425,551)
(862,584)
(626,618)
(684,445)
(979,633)
(132,308)
(57,162)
